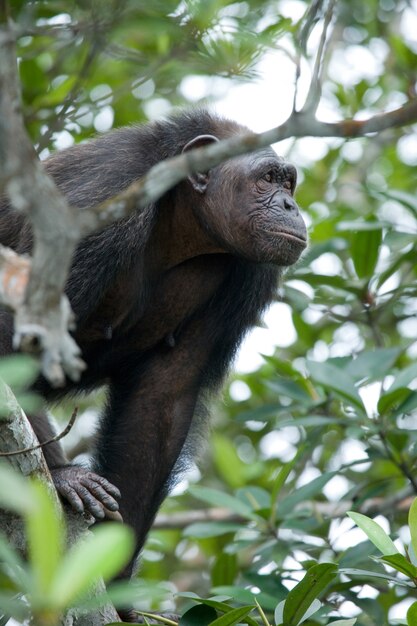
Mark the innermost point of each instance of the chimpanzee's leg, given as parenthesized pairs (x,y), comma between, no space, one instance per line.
(148,418)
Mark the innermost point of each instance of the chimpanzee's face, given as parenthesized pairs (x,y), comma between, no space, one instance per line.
(249,207)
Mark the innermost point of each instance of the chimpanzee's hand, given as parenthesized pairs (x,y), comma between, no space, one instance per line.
(87,492)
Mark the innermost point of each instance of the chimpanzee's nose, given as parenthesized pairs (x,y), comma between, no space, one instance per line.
(290,204)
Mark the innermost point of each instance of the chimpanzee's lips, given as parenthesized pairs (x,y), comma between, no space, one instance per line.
(291,236)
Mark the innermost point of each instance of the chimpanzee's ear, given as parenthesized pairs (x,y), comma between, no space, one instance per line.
(199,180)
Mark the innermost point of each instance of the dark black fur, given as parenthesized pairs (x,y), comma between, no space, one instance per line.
(154,386)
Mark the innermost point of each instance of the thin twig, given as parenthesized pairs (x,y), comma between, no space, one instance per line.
(158,618)
(61,435)
(296,81)
(314,93)
(309,20)
(373,326)
(330,510)
(261,613)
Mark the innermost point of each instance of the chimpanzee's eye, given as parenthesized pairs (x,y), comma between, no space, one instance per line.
(287,185)
(268,177)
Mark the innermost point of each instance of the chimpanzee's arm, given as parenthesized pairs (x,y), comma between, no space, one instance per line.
(53,453)
(150,412)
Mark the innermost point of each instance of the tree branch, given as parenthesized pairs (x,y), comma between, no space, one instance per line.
(167,174)
(372,507)
(43,318)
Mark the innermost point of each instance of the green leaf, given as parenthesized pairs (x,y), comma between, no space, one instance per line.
(301,494)
(283,474)
(290,389)
(227,461)
(412,522)
(234,616)
(361,226)
(412,554)
(199,615)
(401,564)
(279,612)
(344,622)
(297,299)
(224,569)
(374,532)
(365,574)
(261,413)
(310,421)
(404,378)
(412,615)
(398,261)
(391,400)
(301,597)
(30,402)
(18,370)
(313,608)
(56,96)
(102,554)
(357,554)
(219,498)
(120,594)
(373,365)
(202,530)
(406,199)
(13,607)
(217,604)
(408,405)
(16,493)
(335,379)
(338,283)
(45,534)
(257,497)
(365,251)
(398,402)
(245,596)
(280,480)
(16,568)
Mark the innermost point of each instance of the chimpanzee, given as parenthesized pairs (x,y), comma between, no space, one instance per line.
(162,299)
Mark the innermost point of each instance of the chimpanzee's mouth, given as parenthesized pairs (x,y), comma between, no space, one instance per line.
(290,235)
